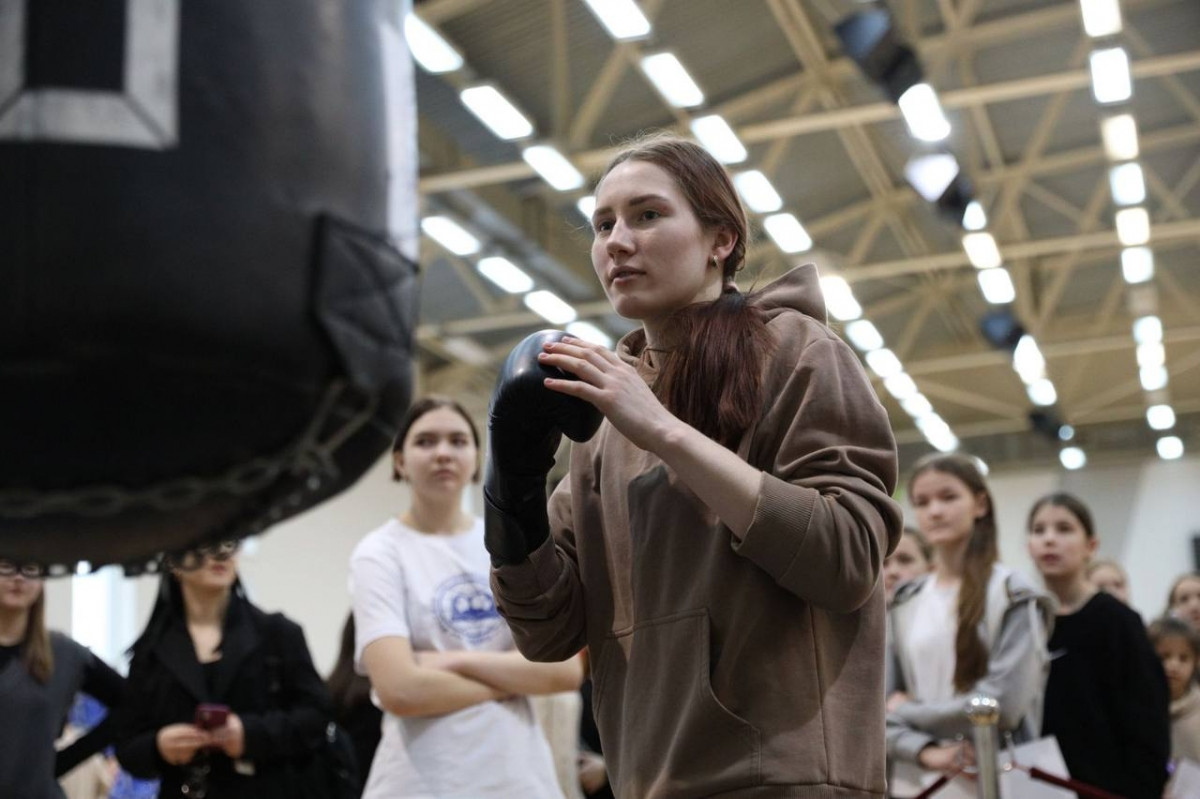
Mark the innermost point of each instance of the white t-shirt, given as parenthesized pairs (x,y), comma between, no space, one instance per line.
(931,641)
(434,591)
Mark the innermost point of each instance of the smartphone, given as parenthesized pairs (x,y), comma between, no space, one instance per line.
(211,717)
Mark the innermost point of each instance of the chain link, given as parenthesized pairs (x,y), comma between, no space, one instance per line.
(309,461)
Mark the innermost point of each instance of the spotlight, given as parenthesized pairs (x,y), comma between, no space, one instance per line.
(870,40)
(939,180)
(1001,329)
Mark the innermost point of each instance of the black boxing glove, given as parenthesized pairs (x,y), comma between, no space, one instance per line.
(526,422)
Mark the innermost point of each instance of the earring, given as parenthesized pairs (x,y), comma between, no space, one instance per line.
(716,262)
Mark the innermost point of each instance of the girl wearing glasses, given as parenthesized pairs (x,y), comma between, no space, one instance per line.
(225,701)
(40,674)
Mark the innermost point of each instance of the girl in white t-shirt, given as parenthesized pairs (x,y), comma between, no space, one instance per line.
(970,626)
(442,664)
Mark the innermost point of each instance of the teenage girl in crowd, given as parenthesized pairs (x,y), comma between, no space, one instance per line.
(40,674)
(1109,577)
(441,660)
(206,644)
(1106,699)
(972,625)
(1178,646)
(718,543)
(912,558)
(1183,600)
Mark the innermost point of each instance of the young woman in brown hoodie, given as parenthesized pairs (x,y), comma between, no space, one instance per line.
(718,543)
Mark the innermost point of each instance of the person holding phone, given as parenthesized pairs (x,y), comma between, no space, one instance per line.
(225,701)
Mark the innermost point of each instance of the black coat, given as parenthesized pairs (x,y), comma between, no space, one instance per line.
(265,676)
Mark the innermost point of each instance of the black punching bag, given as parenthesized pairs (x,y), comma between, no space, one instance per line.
(206,308)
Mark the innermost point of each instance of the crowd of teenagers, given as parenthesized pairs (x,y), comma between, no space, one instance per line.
(717,599)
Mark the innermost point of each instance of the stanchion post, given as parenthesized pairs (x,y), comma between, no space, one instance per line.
(984,713)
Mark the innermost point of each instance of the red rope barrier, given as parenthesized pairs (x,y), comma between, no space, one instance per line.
(1081,788)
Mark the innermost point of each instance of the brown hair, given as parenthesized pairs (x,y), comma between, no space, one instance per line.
(726,339)
(348,688)
(1101,563)
(36,652)
(971,656)
(1061,499)
(1168,627)
(423,406)
(921,541)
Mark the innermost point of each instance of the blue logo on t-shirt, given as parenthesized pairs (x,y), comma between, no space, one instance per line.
(465,607)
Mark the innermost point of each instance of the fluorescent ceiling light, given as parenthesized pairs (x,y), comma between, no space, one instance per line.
(1160,417)
(931,175)
(1151,354)
(997,286)
(1147,329)
(547,305)
(587,206)
(1101,17)
(787,233)
(923,113)
(884,363)
(937,432)
(428,48)
(672,80)
(974,218)
(589,332)
(1120,137)
(1170,448)
(757,191)
(982,250)
(494,110)
(917,406)
(1041,392)
(1072,458)
(1128,184)
(1154,378)
(839,299)
(451,235)
(505,274)
(1028,360)
(467,350)
(901,386)
(622,18)
(864,335)
(1111,82)
(1133,226)
(553,166)
(1137,264)
(719,139)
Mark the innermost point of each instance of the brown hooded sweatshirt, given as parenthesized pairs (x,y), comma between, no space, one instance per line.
(751,669)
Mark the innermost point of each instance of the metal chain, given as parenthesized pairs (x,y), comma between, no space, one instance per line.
(309,460)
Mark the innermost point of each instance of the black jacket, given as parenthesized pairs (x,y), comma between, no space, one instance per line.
(265,676)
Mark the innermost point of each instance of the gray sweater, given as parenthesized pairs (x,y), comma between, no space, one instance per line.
(32,716)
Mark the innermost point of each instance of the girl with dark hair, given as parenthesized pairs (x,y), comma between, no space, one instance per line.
(1106,699)
(40,674)
(1178,647)
(225,702)
(718,542)
(972,625)
(458,720)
